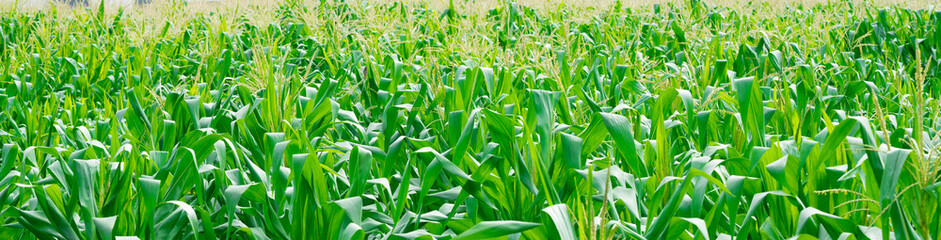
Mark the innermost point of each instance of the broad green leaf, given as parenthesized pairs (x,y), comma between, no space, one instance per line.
(492,229)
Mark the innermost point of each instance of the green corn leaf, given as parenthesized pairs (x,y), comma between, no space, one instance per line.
(492,229)
(559,216)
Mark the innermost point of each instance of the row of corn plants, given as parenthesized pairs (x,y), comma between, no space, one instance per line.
(362,120)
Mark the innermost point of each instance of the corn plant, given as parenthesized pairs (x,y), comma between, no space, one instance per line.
(408,120)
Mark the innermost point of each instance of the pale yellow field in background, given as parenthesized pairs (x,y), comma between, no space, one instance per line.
(209,5)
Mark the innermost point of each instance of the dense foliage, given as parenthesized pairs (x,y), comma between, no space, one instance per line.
(402,121)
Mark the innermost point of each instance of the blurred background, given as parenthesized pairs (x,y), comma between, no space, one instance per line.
(43,4)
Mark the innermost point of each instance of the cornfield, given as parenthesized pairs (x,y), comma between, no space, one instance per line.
(402,120)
